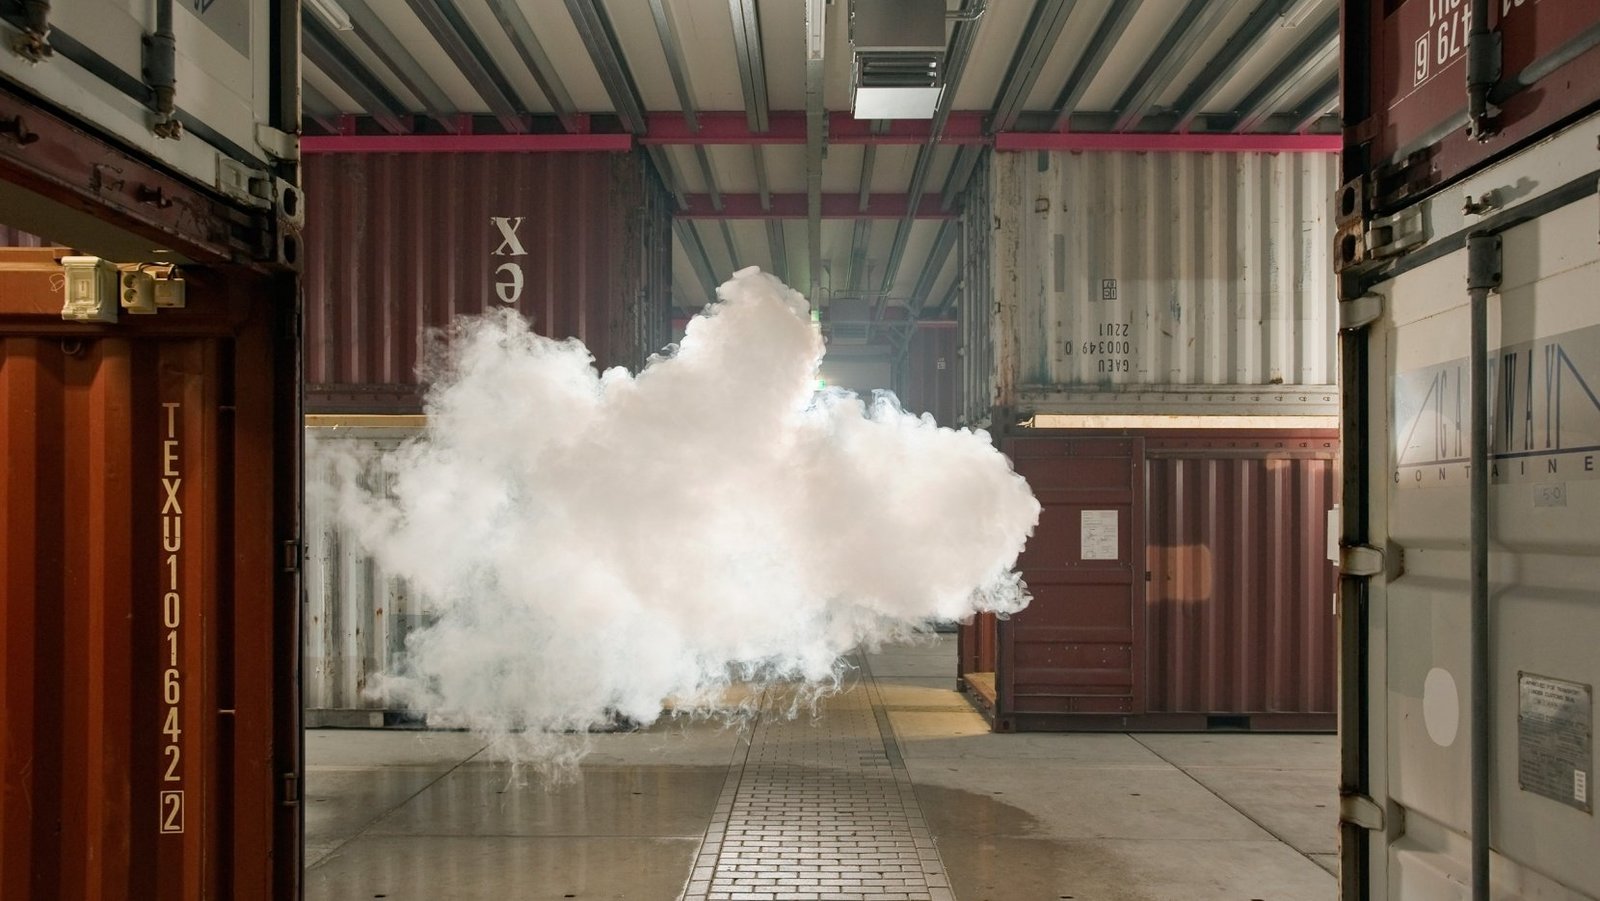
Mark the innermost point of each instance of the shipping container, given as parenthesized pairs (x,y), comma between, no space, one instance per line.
(1158,283)
(579,243)
(357,616)
(1408,123)
(1469,615)
(929,371)
(1180,579)
(975,303)
(149,603)
(210,90)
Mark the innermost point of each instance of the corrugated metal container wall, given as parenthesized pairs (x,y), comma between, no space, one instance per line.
(975,306)
(147,615)
(1164,282)
(11,237)
(1240,597)
(931,368)
(398,244)
(357,616)
(1180,580)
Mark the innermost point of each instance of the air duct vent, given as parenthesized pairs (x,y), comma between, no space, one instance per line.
(848,320)
(898,66)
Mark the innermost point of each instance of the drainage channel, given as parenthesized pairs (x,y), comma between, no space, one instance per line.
(821,809)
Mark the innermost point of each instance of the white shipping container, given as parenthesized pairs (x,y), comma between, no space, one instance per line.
(357,616)
(1149,283)
(223,85)
(1408,638)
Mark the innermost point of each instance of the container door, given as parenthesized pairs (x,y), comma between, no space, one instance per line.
(1406,623)
(1079,646)
(148,610)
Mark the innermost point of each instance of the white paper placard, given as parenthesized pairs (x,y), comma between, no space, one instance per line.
(1099,535)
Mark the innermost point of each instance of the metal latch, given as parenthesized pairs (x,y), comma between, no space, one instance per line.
(1360,560)
(291,789)
(242,183)
(1360,810)
(1390,236)
(291,556)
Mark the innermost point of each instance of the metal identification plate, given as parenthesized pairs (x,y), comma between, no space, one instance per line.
(1555,739)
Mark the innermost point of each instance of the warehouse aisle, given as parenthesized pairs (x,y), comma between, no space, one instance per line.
(896,791)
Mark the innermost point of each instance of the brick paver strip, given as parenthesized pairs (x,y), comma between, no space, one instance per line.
(820,809)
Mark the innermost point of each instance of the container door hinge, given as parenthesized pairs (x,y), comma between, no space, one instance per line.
(1391,236)
(1360,312)
(291,556)
(1360,810)
(291,789)
(1360,560)
(280,145)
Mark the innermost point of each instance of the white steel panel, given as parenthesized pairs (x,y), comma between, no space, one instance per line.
(356,616)
(1165,279)
(1544,557)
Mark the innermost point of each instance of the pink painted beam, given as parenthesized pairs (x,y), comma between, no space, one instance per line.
(1167,143)
(790,128)
(466,143)
(793,206)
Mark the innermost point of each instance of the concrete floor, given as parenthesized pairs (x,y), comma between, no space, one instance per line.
(658,814)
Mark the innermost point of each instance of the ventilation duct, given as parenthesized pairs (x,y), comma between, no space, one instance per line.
(848,321)
(897,49)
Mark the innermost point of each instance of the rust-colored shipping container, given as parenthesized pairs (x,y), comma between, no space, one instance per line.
(148,610)
(931,370)
(1180,580)
(1405,96)
(397,244)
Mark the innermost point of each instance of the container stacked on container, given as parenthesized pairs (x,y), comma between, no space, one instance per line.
(1469,251)
(578,243)
(1151,337)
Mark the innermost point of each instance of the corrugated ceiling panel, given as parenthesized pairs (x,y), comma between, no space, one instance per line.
(641,45)
(783,44)
(1069,48)
(706,30)
(1279,46)
(560,40)
(504,54)
(999,32)
(1149,26)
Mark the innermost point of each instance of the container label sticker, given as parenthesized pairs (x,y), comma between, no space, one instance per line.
(1099,535)
(1544,416)
(1555,739)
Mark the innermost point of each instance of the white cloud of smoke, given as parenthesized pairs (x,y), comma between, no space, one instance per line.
(596,543)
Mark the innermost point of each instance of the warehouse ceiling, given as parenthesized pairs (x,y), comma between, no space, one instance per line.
(716,91)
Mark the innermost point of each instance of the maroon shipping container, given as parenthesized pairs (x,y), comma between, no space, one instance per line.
(397,244)
(1180,580)
(149,604)
(1405,87)
(931,371)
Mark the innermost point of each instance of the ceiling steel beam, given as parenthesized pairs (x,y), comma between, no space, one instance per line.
(1234,54)
(789,127)
(669,175)
(324,51)
(699,260)
(955,184)
(943,243)
(1177,47)
(752,62)
(594,28)
(1042,31)
(1318,104)
(466,143)
(516,27)
(1105,38)
(672,47)
(389,50)
(1143,142)
(815,133)
(1319,48)
(445,22)
(318,107)
(797,206)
